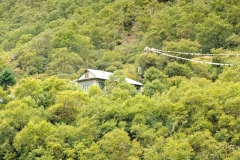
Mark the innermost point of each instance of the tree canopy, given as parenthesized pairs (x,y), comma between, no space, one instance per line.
(186,110)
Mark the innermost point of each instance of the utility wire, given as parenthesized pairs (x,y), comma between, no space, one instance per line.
(162,52)
(198,54)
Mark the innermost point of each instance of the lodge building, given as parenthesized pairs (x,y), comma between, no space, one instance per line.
(97,77)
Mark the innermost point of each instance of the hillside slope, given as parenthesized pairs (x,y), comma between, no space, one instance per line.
(187,110)
(59,37)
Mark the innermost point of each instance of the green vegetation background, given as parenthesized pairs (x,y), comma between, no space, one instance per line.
(186,111)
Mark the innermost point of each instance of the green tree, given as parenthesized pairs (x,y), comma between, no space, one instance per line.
(139,107)
(230,74)
(232,107)
(154,37)
(183,45)
(30,62)
(231,16)
(175,69)
(66,106)
(110,59)
(4,98)
(116,144)
(7,133)
(148,60)
(118,80)
(234,155)
(42,44)
(69,37)
(66,38)
(213,33)
(29,87)
(152,74)
(144,134)
(205,146)
(177,149)
(32,138)
(19,112)
(3,61)
(64,62)
(169,148)
(233,41)
(201,70)
(93,152)
(156,86)
(7,78)
(51,86)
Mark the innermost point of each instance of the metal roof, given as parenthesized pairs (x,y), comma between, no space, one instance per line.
(105,75)
(100,74)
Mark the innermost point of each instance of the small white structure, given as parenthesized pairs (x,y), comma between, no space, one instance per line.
(97,77)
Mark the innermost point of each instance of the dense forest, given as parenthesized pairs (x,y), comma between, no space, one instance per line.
(187,110)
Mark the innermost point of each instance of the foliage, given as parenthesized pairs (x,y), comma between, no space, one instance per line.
(118,81)
(6,79)
(186,110)
(175,69)
(188,119)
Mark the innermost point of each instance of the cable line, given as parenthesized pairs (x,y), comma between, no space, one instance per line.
(198,54)
(162,52)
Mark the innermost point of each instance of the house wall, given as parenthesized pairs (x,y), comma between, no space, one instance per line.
(101,83)
(86,84)
(95,77)
(138,88)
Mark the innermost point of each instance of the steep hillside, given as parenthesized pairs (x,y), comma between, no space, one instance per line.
(187,110)
(59,37)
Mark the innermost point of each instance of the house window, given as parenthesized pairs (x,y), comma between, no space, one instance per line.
(101,85)
(86,85)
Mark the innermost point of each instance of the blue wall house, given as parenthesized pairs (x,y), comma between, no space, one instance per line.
(97,77)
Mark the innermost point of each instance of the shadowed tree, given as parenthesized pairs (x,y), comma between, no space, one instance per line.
(6,79)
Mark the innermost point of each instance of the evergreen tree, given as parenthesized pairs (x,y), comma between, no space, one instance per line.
(7,78)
